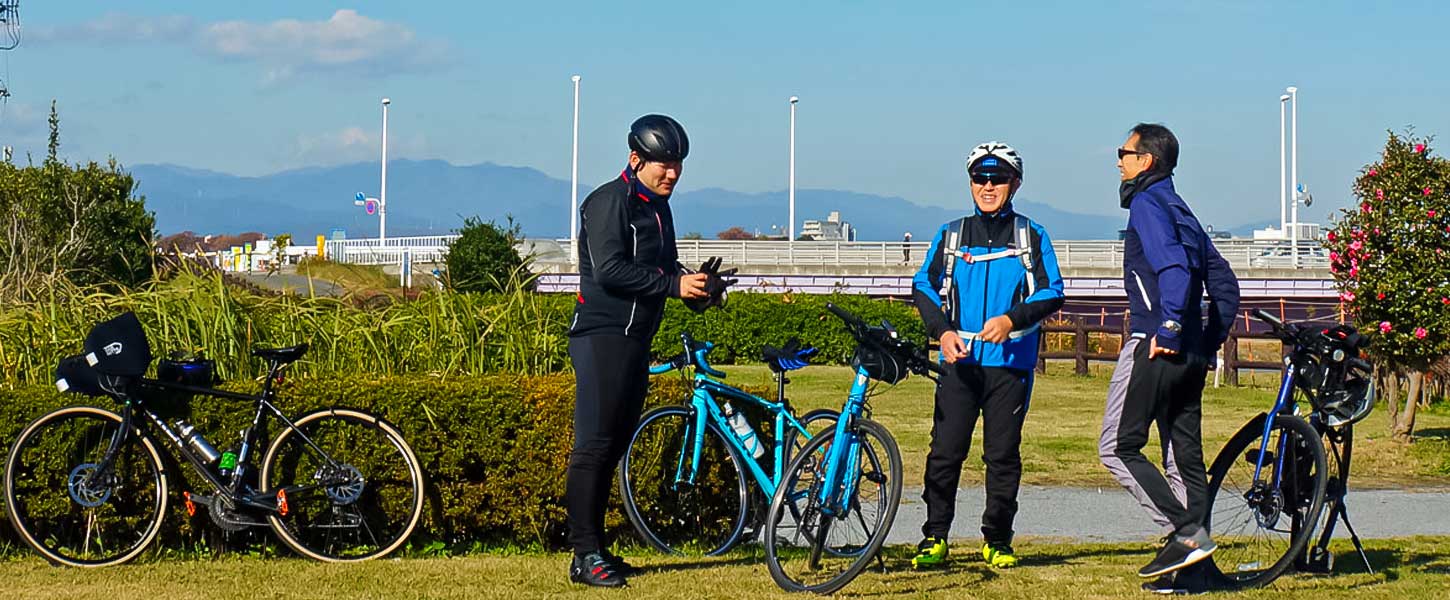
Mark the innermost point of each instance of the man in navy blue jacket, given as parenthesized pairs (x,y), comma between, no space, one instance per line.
(987,280)
(1169,264)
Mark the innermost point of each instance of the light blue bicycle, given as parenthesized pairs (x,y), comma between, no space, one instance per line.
(686,477)
(836,504)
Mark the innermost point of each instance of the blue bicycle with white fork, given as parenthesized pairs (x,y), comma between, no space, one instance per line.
(685,478)
(833,510)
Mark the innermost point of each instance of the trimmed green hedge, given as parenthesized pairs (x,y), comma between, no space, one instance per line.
(750,321)
(494,449)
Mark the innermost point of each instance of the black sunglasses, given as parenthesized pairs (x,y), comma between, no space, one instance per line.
(995,178)
(1125,152)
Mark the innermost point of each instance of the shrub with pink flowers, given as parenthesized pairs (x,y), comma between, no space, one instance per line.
(1388,256)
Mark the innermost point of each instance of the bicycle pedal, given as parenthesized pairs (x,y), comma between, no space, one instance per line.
(282,507)
(190,506)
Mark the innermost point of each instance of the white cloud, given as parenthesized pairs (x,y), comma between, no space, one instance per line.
(352,144)
(286,49)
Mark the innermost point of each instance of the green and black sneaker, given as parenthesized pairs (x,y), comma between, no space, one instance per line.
(999,555)
(930,553)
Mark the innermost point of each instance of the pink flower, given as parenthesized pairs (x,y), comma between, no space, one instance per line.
(1444,300)
(1376,231)
(1384,326)
(1332,237)
(1379,194)
(1420,333)
(1379,296)
(1356,245)
(1373,172)
(1354,272)
(1419,148)
(1427,193)
(1346,296)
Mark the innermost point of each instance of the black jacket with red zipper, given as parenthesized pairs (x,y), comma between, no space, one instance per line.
(628,263)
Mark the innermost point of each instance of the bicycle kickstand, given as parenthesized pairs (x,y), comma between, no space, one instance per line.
(1354,537)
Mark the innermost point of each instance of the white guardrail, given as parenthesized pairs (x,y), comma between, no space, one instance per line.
(1070,253)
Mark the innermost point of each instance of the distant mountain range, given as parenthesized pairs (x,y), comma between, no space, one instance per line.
(431,197)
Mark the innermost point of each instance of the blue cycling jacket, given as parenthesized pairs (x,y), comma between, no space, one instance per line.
(984,289)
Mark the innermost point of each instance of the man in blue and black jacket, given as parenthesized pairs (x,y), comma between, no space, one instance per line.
(987,280)
(1169,264)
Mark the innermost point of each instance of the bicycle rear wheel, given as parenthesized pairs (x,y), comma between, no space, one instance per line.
(353,487)
(1262,525)
(814,547)
(69,505)
(671,510)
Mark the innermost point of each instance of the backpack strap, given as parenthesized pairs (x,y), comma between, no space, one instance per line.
(951,248)
(1024,249)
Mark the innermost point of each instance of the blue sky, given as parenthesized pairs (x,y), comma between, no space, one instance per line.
(893,94)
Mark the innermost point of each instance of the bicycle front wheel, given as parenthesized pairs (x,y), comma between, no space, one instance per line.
(819,539)
(70,503)
(352,486)
(677,503)
(1262,524)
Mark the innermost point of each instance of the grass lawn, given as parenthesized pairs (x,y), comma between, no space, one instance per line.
(1406,569)
(1061,432)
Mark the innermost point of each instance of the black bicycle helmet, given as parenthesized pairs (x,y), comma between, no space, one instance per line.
(658,138)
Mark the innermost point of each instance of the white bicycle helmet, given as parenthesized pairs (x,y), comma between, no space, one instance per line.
(995,150)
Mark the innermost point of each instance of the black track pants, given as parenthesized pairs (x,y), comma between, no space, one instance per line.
(1000,397)
(611,373)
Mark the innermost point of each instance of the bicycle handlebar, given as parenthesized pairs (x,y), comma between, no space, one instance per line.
(914,356)
(849,318)
(694,354)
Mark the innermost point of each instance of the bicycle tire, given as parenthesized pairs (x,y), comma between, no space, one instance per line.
(25,469)
(1300,497)
(809,464)
(678,525)
(305,527)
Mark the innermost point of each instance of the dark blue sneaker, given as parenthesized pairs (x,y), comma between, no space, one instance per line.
(1180,551)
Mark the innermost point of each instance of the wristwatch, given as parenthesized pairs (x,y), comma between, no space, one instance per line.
(1172,326)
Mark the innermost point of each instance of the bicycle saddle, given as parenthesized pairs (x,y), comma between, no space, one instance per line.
(281,355)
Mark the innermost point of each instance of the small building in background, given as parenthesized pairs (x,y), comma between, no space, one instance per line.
(833,229)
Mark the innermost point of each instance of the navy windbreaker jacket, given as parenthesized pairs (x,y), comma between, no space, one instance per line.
(1169,263)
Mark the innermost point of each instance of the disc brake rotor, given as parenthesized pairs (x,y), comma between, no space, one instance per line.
(349,489)
(93,493)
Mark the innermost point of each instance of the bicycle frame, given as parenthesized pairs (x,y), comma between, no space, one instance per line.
(231,489)
(831,492)
(705,409)
(1281,406)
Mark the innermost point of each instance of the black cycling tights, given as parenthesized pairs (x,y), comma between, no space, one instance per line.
(611,373)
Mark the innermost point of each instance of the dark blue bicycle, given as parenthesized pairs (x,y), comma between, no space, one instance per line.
(1272,486)
(686,476)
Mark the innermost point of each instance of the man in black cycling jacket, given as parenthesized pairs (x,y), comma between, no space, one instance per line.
(627,268)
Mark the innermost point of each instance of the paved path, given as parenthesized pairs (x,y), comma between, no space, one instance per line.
(1111,515)
(292,282)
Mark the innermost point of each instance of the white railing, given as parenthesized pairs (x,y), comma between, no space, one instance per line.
(745,253)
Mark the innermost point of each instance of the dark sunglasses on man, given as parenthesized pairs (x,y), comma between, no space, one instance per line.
(994,178)
(1126,152)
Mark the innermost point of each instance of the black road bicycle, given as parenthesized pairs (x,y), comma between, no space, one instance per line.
(87,486)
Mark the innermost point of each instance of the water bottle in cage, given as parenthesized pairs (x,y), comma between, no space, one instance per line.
(743,430)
